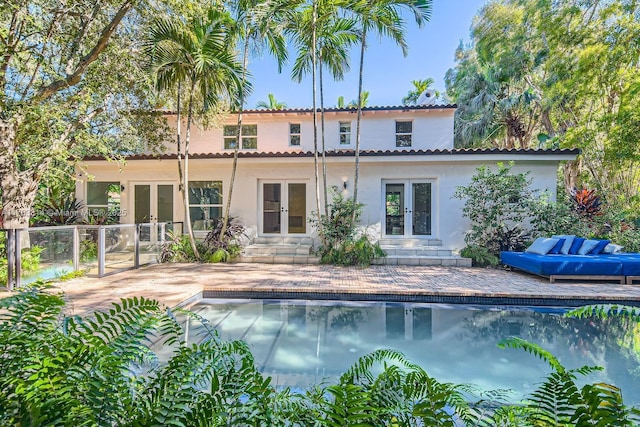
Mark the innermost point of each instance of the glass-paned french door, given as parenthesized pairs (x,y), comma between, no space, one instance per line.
(408,208)
(152,202)
(283,207)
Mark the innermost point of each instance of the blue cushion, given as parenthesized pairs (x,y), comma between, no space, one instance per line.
(557,248)
(575,246)
(568,240)
(599,247)
(609,265)
(588,246)
(542,245)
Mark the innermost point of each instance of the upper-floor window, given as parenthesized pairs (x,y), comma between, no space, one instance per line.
(404,129)
(294,134)
(205,203)
(345,133)
(103,201)
(249,137)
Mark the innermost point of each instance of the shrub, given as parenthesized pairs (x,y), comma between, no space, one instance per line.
(497,203)
(342,242)
(479,255)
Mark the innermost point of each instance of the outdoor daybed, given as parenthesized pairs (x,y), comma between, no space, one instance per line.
(542,259)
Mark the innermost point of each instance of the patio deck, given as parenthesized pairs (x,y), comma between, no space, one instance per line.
(173,284)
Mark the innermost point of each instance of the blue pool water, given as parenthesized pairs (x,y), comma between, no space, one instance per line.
(300,343)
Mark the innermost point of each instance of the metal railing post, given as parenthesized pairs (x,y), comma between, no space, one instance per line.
(18,257)
(11,259)
(76,248)
(101,251)
(136,247)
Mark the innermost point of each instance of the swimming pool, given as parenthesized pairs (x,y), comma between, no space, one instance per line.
(299,343)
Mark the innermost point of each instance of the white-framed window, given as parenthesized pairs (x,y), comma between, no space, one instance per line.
(345,133)
(103,201)
(249,137)
(205,203)
(294,134)
(404,129)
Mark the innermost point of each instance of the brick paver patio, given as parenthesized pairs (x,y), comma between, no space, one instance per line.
(173,284)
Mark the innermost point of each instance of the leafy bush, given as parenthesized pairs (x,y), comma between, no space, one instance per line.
(102,369)
(30,263)
(341,243)
(88,250)
(177,248)
(497,203)
(479,255)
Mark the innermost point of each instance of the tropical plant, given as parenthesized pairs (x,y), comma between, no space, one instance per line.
(272,103)
(222,248)
(586,203)
(342,242)
(365,100)
(383,17)
(29,262)
(419,86)
(197,54)
(497,203)
(479,255)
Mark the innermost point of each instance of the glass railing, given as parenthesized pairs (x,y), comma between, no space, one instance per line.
(50,252)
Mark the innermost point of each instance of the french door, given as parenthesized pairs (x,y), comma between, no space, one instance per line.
(153,202)
(408,208)
(283,207)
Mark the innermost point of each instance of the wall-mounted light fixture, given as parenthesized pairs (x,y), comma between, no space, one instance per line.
(344,184)
(121,187)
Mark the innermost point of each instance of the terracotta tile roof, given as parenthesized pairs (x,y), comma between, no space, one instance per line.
(348,110)
(350,153)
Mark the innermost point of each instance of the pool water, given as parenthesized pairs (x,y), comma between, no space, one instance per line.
(299,343)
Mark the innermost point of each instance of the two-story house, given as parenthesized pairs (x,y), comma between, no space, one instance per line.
(409,171)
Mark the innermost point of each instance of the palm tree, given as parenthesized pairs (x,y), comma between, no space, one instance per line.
(199,55)
(382,16)
(335,35)
(272,103)
(260,22)
(419,86)
(365,100)
(340,103)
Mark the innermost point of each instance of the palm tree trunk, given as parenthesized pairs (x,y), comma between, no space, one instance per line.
(359,118)
(185,197)
(234,167)
(324,157)
(315,116)
(181,184)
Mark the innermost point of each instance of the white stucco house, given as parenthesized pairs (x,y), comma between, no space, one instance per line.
(409,170)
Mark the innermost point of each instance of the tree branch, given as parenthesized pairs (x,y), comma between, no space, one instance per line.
(73,78)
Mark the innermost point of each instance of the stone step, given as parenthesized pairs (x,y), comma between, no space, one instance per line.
(265,249)
(451,261)
(410,242)
(278,259)
(416,251)
(277,240)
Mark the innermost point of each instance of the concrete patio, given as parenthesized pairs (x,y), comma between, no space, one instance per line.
(176,284)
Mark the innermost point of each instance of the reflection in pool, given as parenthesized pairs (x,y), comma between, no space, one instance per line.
(300,343)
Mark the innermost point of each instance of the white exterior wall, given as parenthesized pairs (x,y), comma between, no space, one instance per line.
(445,173)
(432,129)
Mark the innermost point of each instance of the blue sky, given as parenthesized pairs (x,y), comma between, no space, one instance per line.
(388,74)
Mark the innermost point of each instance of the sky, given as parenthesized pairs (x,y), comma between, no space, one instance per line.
(387,73)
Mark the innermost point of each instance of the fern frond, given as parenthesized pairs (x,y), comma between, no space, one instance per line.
(536,350)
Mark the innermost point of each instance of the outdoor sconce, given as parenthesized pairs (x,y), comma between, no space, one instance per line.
(344,184)
(121,188)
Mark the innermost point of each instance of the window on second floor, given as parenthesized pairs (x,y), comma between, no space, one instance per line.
(404,129)
(294,134)
(249,137)
(345,133)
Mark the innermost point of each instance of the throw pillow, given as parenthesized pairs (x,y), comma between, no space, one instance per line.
(542,245)
(612,248)
(575,246)
(557,248)
(587,246)
(599,247)
(568,241)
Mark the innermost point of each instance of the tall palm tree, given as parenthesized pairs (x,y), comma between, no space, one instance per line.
(271,103)
(365,100)
(262,23)
(419,86)
(335,35)
(383,17)
(197,58)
